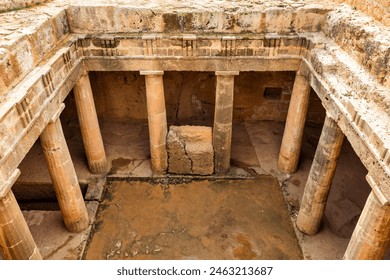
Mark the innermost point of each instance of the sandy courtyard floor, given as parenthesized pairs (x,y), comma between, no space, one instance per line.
(230,219)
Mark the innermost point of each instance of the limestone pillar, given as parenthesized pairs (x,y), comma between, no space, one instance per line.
(320,178)
(295,123)
(157,120)
(223,116)
(371,236)
(64,176)
(89,125)
(16,241)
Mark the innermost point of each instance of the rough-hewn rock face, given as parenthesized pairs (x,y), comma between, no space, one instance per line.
(190,150)
(6,5)
(378,9)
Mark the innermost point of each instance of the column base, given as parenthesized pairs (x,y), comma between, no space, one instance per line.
(98,167)
(306,225)
(286,166)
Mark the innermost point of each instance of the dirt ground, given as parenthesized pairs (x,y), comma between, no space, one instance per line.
(206,220)
(227,219)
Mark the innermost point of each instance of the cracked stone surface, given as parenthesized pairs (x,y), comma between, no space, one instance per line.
(190,150)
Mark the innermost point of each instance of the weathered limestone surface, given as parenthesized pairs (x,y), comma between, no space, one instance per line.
(295,123)
(63,175)
(89,124)
(18,4)
(223,116)
(364,40)
(371,237)
(16,241)
(202,16)
(378,9)
(320,178)
(190,150)
(26,39)
(157,120)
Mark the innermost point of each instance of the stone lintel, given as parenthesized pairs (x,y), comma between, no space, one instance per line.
(227,73)
(57,113)
(149,37)
(189,37)
(107,37)
(228,38)
(5,188)
(152,73)
(377,188)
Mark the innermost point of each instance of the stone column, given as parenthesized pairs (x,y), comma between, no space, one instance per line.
(89,124)
(157,120)
(16,241)
(295,123)
(320,178)
(371,236)
(64,176)
(223,116)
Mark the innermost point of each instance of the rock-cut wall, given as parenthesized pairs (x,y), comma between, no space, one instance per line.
(378,9)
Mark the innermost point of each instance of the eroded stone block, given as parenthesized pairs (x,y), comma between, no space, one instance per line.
(190,150)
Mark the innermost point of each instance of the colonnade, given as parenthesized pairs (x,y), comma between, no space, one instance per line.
(371,237)
(369,240)
(16,241)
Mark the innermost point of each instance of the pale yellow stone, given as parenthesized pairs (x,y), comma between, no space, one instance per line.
(64,178)
(89,124)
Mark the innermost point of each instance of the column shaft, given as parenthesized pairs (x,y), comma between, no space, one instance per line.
(64,177)
(89,124)
(371,236)
(295,123)
(320,178)
(223,116)
(157,120)
(16,241)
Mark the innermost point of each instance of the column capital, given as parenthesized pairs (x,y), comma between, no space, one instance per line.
(227,73)
(7,185)
(303,70)
(84,73)
(57,113)
(380,189)
(151,73)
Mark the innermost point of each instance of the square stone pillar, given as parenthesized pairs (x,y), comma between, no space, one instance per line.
(157,120)
(16,241)
(292,137)
(371,237)
(63,175)
(320,178)
(89,125)
(223,117)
